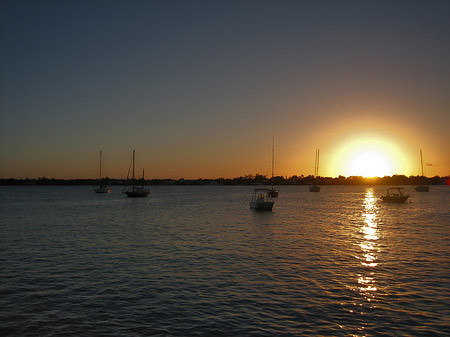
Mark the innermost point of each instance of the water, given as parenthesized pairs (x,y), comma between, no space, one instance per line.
(196,261)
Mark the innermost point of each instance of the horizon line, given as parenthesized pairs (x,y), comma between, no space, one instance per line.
(247,176)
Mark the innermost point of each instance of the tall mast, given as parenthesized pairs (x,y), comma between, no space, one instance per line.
(317,173)
(315,160)
(421,161)
(273,153)
(133,165)
(315,164)
(100,173)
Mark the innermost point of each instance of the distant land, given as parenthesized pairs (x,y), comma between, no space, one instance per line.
(243,180)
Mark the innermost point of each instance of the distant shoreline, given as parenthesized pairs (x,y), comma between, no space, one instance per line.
(245,180)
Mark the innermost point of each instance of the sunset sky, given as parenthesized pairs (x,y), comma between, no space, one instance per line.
(199,88)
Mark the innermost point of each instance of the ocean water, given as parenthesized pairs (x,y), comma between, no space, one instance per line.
(196,261)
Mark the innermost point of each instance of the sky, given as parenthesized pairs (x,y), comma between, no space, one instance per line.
(201,88)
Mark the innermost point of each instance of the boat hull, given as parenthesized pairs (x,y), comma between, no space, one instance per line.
(395,199)
(262,206)
(102,190)
(422,188)
(273,193)
(137,194)
(314,188)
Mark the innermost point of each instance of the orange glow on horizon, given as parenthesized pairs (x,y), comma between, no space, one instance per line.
(369,155)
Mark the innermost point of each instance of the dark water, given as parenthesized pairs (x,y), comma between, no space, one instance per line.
(196,261)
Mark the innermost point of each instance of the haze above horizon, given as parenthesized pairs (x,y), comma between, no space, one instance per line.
(200,88)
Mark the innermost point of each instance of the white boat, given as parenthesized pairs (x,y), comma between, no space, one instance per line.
(315,188)
(273,193)
(136,191)
(422,188)
(395,195)
(261,200)
(101,187)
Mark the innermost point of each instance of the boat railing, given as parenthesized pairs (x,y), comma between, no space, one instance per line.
(261,194)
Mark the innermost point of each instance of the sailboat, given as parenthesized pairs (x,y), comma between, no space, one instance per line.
(315,188)
(422,188)
(136,191)
(273,193)
(101,188)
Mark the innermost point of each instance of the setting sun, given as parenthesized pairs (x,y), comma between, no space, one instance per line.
(369,155)
(369,163)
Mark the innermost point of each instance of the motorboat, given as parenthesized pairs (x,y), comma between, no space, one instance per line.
(395,195)
(261,200)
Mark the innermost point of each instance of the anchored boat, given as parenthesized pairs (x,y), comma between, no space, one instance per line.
(422,188)
(315,188)
(273,193)
(261,200)
(136,191)
(395,195)
(101,187)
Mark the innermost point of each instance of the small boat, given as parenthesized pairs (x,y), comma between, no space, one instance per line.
(394,194)
(101,187)
(261,200)
(422,188)
(273,193)
(315,188)
(136,191)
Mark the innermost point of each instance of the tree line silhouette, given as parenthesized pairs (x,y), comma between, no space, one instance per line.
(257,179)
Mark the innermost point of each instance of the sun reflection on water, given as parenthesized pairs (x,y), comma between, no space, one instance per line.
(370,230)
(369,245)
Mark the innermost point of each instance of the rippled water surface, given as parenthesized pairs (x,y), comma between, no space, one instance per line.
(196,261)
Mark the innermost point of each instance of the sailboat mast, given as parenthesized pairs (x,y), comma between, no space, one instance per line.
(317,173)
(100,173)
(315,164)
(273,153)
(133,164)
(421,161)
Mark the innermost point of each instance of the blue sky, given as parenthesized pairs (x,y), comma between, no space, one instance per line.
(199,88)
